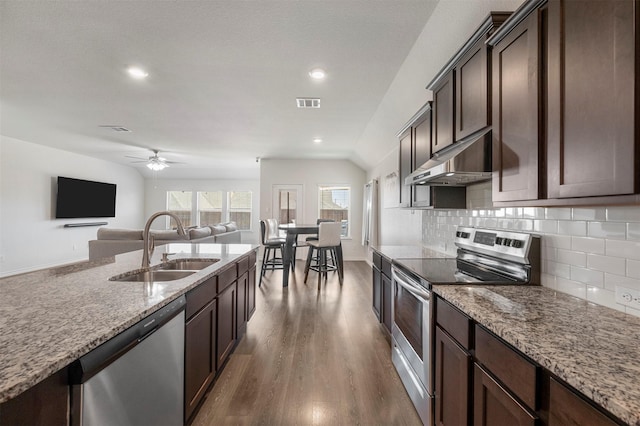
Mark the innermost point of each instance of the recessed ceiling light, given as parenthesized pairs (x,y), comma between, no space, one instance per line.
(317,140)
(137,73)
(317,74)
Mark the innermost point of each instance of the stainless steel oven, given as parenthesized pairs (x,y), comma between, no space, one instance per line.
(411,337)
(485,257)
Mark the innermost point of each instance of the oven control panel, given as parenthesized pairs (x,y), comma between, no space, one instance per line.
(500,243)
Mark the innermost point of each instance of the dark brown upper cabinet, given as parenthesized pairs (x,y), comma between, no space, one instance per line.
(591,98)
(516,151)
(461,102)
(415,150)
(564,104)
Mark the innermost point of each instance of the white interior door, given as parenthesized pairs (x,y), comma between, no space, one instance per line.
(287,203)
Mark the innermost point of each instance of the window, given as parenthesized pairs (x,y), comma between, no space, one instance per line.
(204,208)
(240,208)
(209,208)
(334,203)
(179,203)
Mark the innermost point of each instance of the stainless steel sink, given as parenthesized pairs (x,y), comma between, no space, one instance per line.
(153,276)
(187,264)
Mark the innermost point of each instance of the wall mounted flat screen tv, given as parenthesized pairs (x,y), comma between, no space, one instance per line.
(77,198)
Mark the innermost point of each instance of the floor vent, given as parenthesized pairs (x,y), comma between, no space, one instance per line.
(308,102)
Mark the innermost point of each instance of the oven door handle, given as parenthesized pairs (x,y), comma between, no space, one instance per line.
(414,289)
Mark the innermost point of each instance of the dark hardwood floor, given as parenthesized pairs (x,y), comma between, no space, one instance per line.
(311,358)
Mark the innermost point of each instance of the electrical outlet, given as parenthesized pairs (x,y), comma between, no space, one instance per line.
(628,296)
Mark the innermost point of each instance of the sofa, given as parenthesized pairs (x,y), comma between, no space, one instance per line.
(112,241)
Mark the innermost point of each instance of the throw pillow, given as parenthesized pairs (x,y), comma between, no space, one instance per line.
(230,226)
(196,233)
(217,229)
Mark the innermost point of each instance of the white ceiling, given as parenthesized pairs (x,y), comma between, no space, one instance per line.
(223,77)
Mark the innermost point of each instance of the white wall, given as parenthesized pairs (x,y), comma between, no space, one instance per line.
(156,198)
(30,237)
(311,174)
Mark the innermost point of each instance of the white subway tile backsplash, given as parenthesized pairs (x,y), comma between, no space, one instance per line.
(633,268)
(571,287)
(626,249)
(571,257)
(611,230)
(558,213)
(623,214)
(603,297)
(614,265)
(572,227)
(596,213)
(613,280)
(587,276)
(632,311)
(545,226)
(587,245)
(585,251)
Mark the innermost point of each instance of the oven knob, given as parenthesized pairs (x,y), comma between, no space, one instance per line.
(499,241)
(516,243)
(506,242)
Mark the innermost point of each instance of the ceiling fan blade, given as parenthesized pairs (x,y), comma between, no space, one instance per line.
(137,158)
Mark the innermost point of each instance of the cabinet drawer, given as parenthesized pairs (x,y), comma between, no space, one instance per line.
(243,265)
(454,322)
(198,297)
(511,368)
(227,277)
(386,267)
(252,259)
(377,260)
(567,408)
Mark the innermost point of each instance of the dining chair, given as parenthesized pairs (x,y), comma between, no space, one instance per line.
(271,243)
(328,240)
(332,254)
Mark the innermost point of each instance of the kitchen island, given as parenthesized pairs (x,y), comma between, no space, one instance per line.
(52,317)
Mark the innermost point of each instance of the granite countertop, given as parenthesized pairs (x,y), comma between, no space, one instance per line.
(408,252)
(593,348)
(52,317)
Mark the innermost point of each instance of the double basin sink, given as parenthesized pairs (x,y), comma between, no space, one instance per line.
(168,271)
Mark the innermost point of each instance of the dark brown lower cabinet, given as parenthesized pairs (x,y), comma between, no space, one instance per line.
(251,292)
(200,356)
(241,311)
(452,375)
(376,287)
(494,406)
(226,336)
(47,403)
(568,409)
(386,302)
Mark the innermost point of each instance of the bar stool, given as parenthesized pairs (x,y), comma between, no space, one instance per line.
(332,257)
(271,246)
(328,239)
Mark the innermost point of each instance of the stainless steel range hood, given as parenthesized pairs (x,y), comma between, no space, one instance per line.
(463,163)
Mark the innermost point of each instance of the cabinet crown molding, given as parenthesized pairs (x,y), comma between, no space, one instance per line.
(518,16)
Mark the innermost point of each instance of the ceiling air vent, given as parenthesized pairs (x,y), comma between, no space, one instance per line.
(308,102)
(116,128)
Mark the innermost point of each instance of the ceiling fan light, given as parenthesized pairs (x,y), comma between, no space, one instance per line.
(156,165)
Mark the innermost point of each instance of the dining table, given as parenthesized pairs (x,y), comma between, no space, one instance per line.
(293,230)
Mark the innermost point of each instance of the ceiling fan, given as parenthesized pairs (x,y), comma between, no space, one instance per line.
(154,162)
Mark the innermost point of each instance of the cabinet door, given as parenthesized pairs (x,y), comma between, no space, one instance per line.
(422,153)
(591,89)
(377,292)
(251,293)
(568,409)
(226,335)
(386,301)
(443,114)
(515,86)
(200,356)
(241,309)
(406,167)
(453,366)
(493,405)
(472,101)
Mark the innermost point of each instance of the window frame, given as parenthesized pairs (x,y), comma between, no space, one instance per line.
(348,187)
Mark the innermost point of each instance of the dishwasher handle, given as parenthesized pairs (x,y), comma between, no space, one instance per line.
(90,364)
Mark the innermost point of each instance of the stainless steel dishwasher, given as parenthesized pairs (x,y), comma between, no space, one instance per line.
(135,378)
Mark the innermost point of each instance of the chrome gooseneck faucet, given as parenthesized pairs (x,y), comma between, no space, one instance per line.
(148,241)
